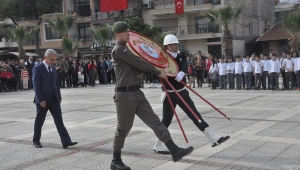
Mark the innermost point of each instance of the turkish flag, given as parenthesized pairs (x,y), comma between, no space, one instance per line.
(179,6)
(113,5)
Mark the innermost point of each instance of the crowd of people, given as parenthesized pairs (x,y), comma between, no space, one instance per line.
(17,74)
(256,72)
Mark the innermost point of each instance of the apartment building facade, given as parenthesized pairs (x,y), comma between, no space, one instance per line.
(197,33)
(87,15)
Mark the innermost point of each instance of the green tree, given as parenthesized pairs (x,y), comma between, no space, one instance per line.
(15,9)
(19,35)
(61,25)
(138,25)
(291,21)
(102,35)
(69,47)
(224,16)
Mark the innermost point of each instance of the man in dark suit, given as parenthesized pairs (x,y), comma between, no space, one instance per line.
(30,65)
(48,97)
(75,70)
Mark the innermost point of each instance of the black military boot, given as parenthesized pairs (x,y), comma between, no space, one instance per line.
(176,152)
(117,164)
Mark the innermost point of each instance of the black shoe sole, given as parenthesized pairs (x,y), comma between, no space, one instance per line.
(221,140)
(187,151)
(162,152)
(116,168)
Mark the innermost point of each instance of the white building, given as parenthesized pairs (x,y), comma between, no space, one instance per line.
(195,31)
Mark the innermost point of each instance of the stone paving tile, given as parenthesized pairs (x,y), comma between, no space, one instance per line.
(90,117)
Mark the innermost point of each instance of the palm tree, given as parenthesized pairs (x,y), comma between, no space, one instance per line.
(69,47)
(291,21)
(224,16)
(19,35)
(61,25)
(102,35)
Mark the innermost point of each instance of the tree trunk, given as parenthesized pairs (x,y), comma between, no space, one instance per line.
(37,43)
(21,52)
(293,43)
(227,42)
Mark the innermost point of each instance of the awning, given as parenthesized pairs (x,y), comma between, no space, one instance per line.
(26,53)
(276,33)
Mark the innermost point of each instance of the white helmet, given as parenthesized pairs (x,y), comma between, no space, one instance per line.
(170,39)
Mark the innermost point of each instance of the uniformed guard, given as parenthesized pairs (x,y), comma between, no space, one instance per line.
(171,44)
(131,101)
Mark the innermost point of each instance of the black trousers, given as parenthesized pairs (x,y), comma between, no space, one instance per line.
(65,78)
(289,76)
(243,78)
(264,80)
(113,75)
(168,112)
(253,80)
(75,80)
(283,78)
(54,107)
(109,76)
(274,80)
(200,77)
(100,77)
(298,78)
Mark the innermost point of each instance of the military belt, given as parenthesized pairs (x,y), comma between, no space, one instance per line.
(127,88)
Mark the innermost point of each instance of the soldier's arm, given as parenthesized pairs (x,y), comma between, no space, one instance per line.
(184,65)
(127,56)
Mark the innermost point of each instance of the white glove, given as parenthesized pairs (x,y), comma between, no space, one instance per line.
(180,76)
(163,96)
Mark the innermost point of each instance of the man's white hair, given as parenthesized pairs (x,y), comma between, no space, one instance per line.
(49,52)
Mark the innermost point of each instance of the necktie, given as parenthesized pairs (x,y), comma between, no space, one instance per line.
(49,69)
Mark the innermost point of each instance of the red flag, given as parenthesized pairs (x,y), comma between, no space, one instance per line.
(179,6)
(113,5)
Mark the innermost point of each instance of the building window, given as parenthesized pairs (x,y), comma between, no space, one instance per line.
(50,34)
(217,39)
(84,32)
(283,42)
(82,7)
(33,41)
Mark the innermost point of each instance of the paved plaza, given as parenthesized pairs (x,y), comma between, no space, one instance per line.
(265,132)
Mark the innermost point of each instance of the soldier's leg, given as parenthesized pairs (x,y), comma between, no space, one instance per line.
(126,104)
(167,110)
(213,138)
(147,115)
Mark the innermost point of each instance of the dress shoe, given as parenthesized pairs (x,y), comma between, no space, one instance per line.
(176,152)
(66,145)
(37,144)
(118,165)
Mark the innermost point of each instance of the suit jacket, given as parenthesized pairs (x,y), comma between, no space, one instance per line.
(183,66)
(74,70)
(45,84)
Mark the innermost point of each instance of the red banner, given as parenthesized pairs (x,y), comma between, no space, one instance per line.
(113,5)
(179,6)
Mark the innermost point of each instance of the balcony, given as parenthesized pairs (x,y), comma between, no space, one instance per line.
(113,14)
(198,31)
(83,13)
(30,18)
(84,38)
(191,6)
(31,42)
